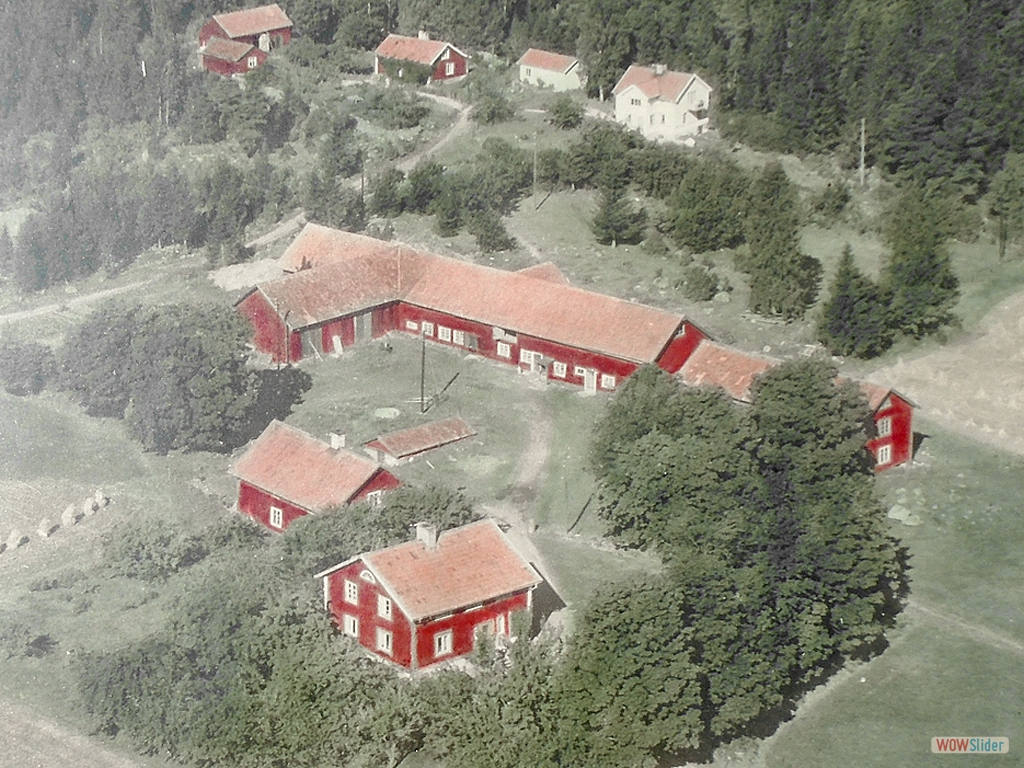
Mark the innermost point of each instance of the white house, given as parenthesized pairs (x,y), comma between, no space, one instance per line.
(552,70)
(660,103)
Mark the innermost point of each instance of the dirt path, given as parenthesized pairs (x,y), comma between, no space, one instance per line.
(460,126)
(29,741)
(975,632)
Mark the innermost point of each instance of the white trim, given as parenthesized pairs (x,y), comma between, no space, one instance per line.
(384,607)
(411,325)
(883,455)
(384,641)
(504,350)
(559,370)
(351,592)
(459,337)
(443,643)
(607,381)
(579,370)
(428,328)
(350,625)
(443,333)
(885,426)
(276,517)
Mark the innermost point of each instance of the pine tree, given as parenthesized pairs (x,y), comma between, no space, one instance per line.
(616,221)
(1006,200)
(854,319)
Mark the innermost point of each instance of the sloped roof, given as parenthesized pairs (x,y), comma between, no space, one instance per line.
(297,468)
(669,86)
(253,21)
(554,62)
(225,50)
(546,271)
(877,394)
(409,442)
(714,365)
(316,245)
(414,49)
(470,565)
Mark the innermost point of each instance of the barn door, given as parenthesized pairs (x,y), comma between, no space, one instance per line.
(589,381)
(364,327)
(312,342)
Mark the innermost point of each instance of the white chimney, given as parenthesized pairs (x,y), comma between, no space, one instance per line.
(337,441)
(660,69)
(427,533)
(423,35)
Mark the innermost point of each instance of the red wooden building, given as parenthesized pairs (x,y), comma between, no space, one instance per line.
(530,319)
(428,600)
(286,474)
(406,444)
(228,57)
(893,415)
(443,60)
(260,30)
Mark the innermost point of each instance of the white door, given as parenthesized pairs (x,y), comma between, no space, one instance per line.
(589,381)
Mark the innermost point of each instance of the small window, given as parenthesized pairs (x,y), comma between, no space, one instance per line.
(579,370)
(443,643)
(428,328)
(384,607)
(459,337)
(884,455)
(472,341)
(276,517)
(351,592)
(447,54)
(525,356)
(384,641)
(449,68)
(253,62)
(504,350)
(528,72)
(559,370)
(410,325)
(885,427)
(375,498)
(350,625)
(444,334)
(607,382)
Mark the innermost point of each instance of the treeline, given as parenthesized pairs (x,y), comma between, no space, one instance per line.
(777,569)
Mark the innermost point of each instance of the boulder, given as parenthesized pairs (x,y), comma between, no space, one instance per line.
(16,539)
(46,528)
(69,517)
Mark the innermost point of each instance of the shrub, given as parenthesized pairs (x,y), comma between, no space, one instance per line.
(698,284)
(565,112)
(151,551)
(25,368)
(493,107)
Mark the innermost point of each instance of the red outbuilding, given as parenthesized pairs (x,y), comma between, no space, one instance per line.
(532,319)
(228,57)
(430,600)
(443,61)
(406,444)
(260,29)
(286,474)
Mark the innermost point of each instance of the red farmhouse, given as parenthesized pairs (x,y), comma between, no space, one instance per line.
(444,60)
(227,57)
(287,474)
(531,319)
(428,600)
(715,365)
(260,29)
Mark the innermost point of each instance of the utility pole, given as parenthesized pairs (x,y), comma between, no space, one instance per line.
(535,169)
(423,374)
(862,144)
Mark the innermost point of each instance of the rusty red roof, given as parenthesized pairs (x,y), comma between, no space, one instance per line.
(877,395)
(316,245)
(253,21)
(409,442)
(668,86)
(546,271)
(554,62)
(225,50)
(296,467)
(414,49)
(468,566)
(715,365)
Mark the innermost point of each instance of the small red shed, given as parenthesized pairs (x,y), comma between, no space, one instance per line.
(892,414)
(443,60)
(228,57)
(429,600)
(406,444)
(266,27)
(286,474)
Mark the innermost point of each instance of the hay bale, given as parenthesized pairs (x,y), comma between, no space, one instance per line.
(46,527)
(69,517)
(89,507)
(100,499)
(16,539)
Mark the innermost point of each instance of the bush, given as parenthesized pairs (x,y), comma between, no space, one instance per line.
(565,112)
(698,284)
(831,202)
(489,231)
(25,368)
(151,551)
(492,107)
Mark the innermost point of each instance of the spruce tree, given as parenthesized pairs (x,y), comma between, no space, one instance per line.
(853,320)
(616,221)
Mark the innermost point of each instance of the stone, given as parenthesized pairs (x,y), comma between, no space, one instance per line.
(89,508)
(16,539)
(69,517)
(722,297)
(100,499)
(46,528)
(899,512)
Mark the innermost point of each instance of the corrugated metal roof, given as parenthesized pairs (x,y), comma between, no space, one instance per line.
(296,467)
(413,49)
(668,86)
(554,62)
(253,21)
(470,565)
(409,442)
(225,50)
(714,365)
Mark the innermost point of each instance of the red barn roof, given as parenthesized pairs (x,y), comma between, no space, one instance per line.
(316,245)
(714,365)
(298,468)
(468,566)
(225,50)
(416,49)
(877,395)
(668,86)
(409,442)
(253,21)
(554,62)
(546,271)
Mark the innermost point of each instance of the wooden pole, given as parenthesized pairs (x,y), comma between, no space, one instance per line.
(862,145)
(423,375)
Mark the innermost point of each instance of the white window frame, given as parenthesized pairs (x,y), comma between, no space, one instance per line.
(411,325)
(559,370)
(375,498)
(253,62)
(443,643)
(384,607)
(276,517)
(384,640)
(350,625)
(351,592)
(428,328)
(444,333)
(449,68)
(579,370)
(447,54)
(607,381)
(883,455)
(459,338)
(504,350)
(885,426)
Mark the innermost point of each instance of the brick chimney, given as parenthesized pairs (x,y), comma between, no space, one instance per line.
(427,533)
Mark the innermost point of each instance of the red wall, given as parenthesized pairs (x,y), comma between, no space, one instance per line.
(211,29)
(228,68)
(412,645)
(902,436)
(454,58)
(382,481)
(268,328)
(256,503)
(680,348)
